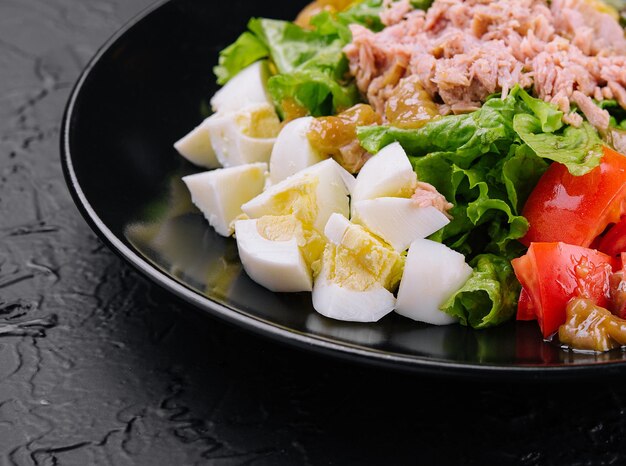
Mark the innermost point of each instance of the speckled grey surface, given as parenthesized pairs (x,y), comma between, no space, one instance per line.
(98,366)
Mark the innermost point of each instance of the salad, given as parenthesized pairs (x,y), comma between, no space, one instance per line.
(452,161)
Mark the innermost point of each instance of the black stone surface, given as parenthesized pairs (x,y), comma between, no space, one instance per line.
(98,366)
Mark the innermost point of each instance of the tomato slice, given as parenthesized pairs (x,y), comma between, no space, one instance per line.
(614,242)
(525,309)
(553,273)
(576,209)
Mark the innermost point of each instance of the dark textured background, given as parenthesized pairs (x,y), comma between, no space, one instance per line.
(97,366)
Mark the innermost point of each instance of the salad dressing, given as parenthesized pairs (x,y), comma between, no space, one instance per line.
(292,110)
(410,106)
(336,135)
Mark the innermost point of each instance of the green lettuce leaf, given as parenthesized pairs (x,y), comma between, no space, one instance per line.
(310,64)
(520,172)
(366,13)
(547,114)
(608,104)
(579,149)
(311,68)
(489,296)
(327,24)
(486,163)
(292,47)
(464,137)
(464,158)
(481,197)
(243,52)
(421,4)
(313,90)
(491,206)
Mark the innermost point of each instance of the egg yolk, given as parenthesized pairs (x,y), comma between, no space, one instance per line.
(361,261)
(298,199)
(287,227)
(261,122)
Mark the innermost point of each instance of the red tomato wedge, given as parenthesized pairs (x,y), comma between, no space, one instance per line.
(525,309)
(576,209)
(553,273)
(614,242)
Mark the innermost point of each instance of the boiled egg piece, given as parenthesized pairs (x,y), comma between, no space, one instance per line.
(357,274)
(278,252)
(244,136)
(245,88)
(397,220)
(197,147)
(311,195)
(292,151)
(387,174)
(433,272)
(362,258)
(220,193)
(340,302)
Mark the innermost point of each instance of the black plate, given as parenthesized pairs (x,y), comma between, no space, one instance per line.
(145,89)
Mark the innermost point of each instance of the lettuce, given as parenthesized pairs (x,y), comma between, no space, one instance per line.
(489,296)
(549,117)
(485,198)
(463,138)
(520,172)
(313,90)
(311,65)
(293,48)
(486,163)
(311,69)
(421,4)
(579,149)
(365,13)
(243,52)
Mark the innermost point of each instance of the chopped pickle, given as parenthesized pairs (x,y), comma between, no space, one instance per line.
(410,106)
(336,135)
(592,328)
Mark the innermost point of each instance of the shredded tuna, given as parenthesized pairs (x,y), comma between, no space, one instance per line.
(462,51)
(595,115)
(394,12)
(352,156)
(426,195)
(573,118)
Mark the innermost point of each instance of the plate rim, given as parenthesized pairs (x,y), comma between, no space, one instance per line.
(274,331)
